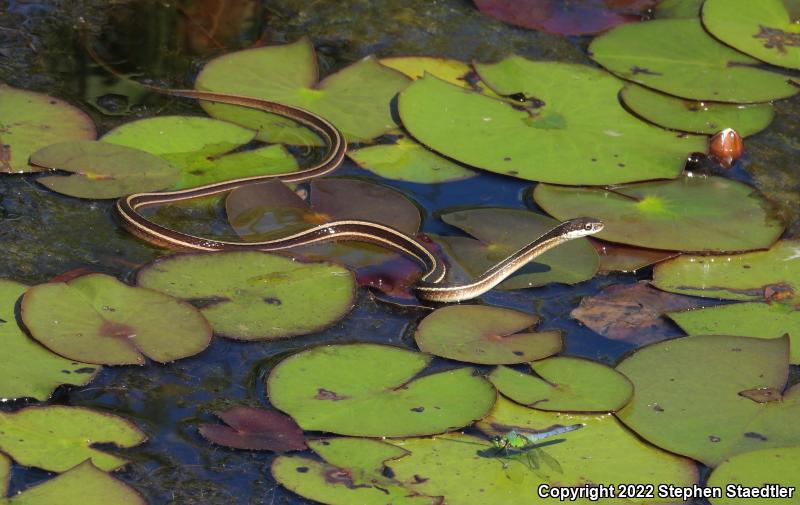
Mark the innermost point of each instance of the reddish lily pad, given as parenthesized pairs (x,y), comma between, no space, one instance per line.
(31,121)
(484,334)
(621,258)
(256,430)
(566,18)
(102,170)
(98,319)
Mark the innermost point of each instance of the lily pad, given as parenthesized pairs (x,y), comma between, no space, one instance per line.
(757,320)
(573,262)
(32,121)
(28,370)
(102,170)
(764,30)
(484,334)
(368,390)
(576,134)
(355,99)
(689,9)
(621,258)
(758,469)
(687,214)
(30,436)
(565,384)
(84,484)
(250,295)
(97,319)
(678,57)
(202,148)
(468,470)
(756,276)
(452,71)
(5,474)
(697,117)
(255,429)
(691,396)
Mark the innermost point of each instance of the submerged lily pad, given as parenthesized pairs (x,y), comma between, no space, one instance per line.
(678,57)
(30,121)
(691,396)
(757,320)
(762,29)
(687,214)
(570,263)
(756,276)
(576,134)
(565,384)
(255,429)
(697,117)
(28,370)
(368,390)
(484,334)
(355,99)
(621,258)
(689,9)
(30,436)
(202,148)
(102,170)
(251,295)
(97,319)
(758,469)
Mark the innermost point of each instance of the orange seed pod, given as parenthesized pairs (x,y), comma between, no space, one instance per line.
(726,146)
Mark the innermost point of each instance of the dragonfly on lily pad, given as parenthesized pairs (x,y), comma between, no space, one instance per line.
(518,443)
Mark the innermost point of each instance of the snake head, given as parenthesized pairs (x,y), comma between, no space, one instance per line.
(583,226)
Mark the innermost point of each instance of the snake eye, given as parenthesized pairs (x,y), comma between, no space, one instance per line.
(588,227)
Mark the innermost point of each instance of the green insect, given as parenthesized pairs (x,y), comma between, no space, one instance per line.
(516,445)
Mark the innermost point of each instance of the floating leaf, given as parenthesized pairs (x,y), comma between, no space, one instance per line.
(31,121)
(633,312)
(367,390)
(565,18)
(687,214)
(576,134)
(84,484)
(678,57)
(32,435)
(688,396)
(757,320)
(5,474)
(571,263)
(696,117)
(565,384)
(28,370)
(102,170)
(452,71)
(250,295)
(484,334)
(756,276)
(678,9)
(97,319)
(202,148)
(761,29)
(356,99)
(620,258)
(758,469)
(255,429)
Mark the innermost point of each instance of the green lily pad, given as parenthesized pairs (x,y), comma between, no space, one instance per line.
(102,170)
(678,9)
(573,262)
(687,214)
(678,57)
(84,484)
(764,29)
(28,370)
(97,319)
(692,396)
(353,472)
(576,134)
(250,295)
(355,99)
(484,334)
(565,384)
(758,469)
(621,258)
(201,148)
(697,117)
(757,320)
(367,390)
(753,276)
(57,437)
(468,470)
(32,121)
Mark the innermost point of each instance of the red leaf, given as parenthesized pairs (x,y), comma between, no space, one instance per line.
(255,429)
